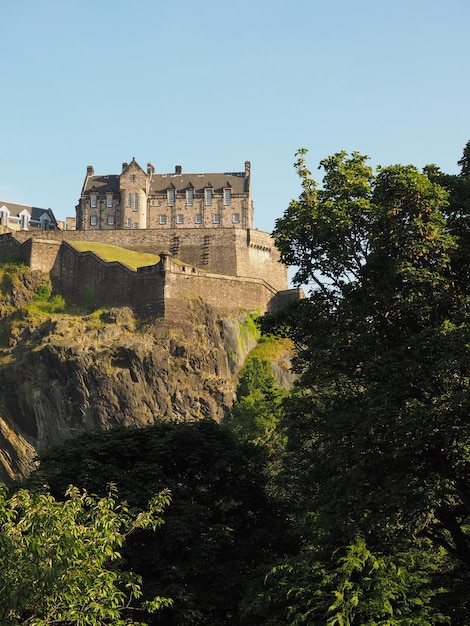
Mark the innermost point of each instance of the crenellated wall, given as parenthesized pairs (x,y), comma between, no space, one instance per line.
(157,289)
(230,269)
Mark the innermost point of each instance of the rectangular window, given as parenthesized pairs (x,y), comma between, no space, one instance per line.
(136,225)
(198,218)
(109,200)
(93,220)
(208,197)
(179,218)
(94,200)
(236,218)
(110,220)
(227,197)
(171,197)
(128,222)
(136,202)
(216,218)
(162,219)
(129,200)
(190,197)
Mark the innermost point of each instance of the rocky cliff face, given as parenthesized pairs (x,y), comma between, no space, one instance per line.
(63,373)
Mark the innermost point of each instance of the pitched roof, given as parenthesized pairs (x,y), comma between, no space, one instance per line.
(101,184)
(34,211)
(235,180)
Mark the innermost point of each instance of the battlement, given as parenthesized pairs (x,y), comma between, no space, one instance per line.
(230,269)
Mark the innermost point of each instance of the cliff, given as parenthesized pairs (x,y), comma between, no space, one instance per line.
(64,371)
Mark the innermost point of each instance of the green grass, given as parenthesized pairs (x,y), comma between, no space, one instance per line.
(270,348)
(131,258)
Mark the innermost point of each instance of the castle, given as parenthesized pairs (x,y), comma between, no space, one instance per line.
(199,224)
(146,200)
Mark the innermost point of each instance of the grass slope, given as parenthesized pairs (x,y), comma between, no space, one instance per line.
(131,258)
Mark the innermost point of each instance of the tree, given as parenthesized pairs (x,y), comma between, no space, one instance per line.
(221,530)
(378,444)
(58,559)
(256,412)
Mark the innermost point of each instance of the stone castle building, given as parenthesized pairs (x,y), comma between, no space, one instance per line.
(136,199)
(199,225)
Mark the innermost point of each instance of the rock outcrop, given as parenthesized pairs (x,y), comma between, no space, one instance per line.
(63,373)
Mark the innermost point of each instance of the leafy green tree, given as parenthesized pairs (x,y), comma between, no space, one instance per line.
(256,412)
(221,531)
(378,443)
(58,559)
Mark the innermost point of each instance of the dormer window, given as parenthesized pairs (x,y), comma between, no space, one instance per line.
(227,196)
(190,196)
(109,200)
(94,200)
(208,196)
(171,197)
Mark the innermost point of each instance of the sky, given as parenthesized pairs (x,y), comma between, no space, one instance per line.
(209,84)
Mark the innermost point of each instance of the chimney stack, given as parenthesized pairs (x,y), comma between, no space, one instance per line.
(124,165)
(247,168)
(150,169)
(178,170)
(90,171)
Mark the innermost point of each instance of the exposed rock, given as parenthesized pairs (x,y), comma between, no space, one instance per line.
(67,373)
(64,373)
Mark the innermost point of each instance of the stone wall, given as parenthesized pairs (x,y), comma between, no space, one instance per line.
(230,269)
(231,252)
(156,290)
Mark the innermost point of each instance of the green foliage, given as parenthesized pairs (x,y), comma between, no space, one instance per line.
(378,442)
(221,531)
(256,412)
(58,559)
(355,587)
(46,305)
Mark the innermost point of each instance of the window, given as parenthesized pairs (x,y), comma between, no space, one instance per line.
(227,196)
(179,218)
(190,197)
(109,200)
(128,223)
(129,200)
(110,220)
(133,178)
(198,218)
(93,220)
(162,219)
(208,193)
(93,200)
(171,197)
(236,218)
(136,202)
(216,218)
(136,226)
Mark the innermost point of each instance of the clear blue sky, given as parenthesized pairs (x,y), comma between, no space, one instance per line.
(209,84)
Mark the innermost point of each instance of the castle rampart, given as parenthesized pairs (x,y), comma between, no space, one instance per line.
(158,289)
(230,269)
(231,252)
